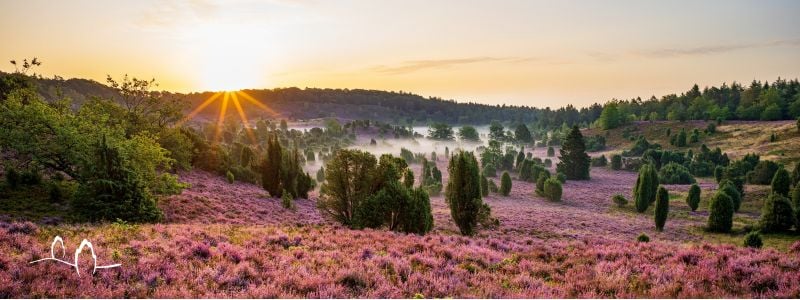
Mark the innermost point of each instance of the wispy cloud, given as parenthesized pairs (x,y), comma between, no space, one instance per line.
(169,12)
(713,49)
(419,65)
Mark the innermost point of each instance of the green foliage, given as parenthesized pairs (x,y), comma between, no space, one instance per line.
(611,117)
(552,189)
(304,184)
(496,132)
(463,193)
(468,133)
(417,216)
(728,188)
(753,240)
(229,177)
(673,173)
(693,198)
(763,172)
(643,238)
(489,170)
(561,177)
(679,140)
(440,131)
(796,174)
(616,162)
(646,187)
(321,174)
(551,152)
(54,192)
(781,182)
(720,216)
(111,190)
(711,128)
(540,182)
(408,179)
(271,167)
(180,147)
(776,214)
(662,208)
(574,162)
(505,184)
(348,183)
(484,186)
(493,186)
(12,177)
(522,135)
(599,161)
(520,158)
(286,200)
(619,200)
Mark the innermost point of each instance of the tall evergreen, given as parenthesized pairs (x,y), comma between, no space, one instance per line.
(662,208)
(271,167)
(463,193)
(574,162)
(728,188)
(776,214)
(644,192)
(522,134)
(505,184)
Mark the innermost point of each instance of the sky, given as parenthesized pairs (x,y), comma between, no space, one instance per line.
(535,53)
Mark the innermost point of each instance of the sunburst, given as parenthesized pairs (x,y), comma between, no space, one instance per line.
(230,96)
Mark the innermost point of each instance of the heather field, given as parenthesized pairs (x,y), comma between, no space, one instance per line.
(231,240)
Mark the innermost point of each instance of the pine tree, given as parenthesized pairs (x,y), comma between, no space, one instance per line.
(644,191)
(505,184)
(781,182)
(574,162)
(321,175)
(463,194)
(662,208)
(522,134)
(520,158)
(484,186)
(720,216)
(729,188)
(417,217)
(693,199)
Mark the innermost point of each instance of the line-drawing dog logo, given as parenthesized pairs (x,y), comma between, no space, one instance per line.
(84,243)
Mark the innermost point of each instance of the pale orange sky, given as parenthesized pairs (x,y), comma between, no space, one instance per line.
(538,53)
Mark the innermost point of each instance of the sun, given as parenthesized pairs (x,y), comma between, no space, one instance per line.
(221,76)
(225,100)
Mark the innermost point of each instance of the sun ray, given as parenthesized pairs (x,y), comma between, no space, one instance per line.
(221,118)
(257,103)
(243,118)
(198,109)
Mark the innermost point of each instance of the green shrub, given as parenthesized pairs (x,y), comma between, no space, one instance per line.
(662,208)
(548,163)
(643,238)
(753,240)
(30,177)
(229,176)
(552,189)
(551,152)
(526,170)
(540,182)
(573,160)
(484,186)
(718,171)
(417,218)
(796,174)
(616,162)
(489,170)
(763,172)
(781,182)
(673,173)
(599,161)
(12,177)
(54,193)
(728,188)
(619,200)
(463,194)
(646,187)
(711,128)
(321,175)
(693,198)
(720,217)
(561,177)
(492,186)
(286,200)
(408,179)
(505,184)
(776,214)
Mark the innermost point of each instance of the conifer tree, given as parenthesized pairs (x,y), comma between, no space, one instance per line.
(271,167)
(776,214)
(662,208)
(574,162)
(463,194)
(781,182)
(720,215)
(644,191)
(693,198)
(505,184)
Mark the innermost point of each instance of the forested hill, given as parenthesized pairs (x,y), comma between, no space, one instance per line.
(778,100)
